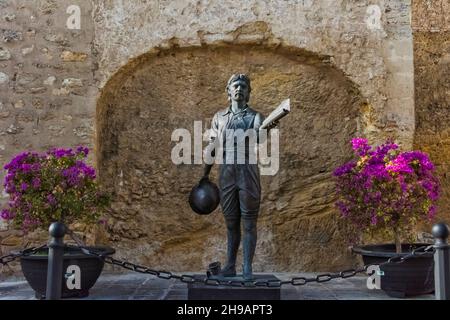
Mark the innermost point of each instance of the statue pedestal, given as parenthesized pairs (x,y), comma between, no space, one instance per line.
(200,291)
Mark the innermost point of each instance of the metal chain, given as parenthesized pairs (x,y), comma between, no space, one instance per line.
(296,281)
(74,237)
(4,260)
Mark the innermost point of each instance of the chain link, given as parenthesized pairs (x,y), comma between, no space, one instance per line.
(296,281)
(418,252)
(4,260)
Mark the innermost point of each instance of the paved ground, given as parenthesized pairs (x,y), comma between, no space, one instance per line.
(135,286)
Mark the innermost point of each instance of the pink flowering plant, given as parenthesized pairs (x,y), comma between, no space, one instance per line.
(385,190)
(54,186)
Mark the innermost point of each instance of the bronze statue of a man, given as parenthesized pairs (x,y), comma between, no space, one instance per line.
(239,181)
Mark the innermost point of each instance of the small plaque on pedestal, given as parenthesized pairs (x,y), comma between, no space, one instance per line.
(200,291)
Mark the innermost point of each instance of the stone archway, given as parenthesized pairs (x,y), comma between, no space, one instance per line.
(156,93)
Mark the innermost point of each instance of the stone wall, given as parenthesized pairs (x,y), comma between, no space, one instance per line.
(47,96)
(431,26)
(370,41)
(151,217)
(347,65)
(137,69)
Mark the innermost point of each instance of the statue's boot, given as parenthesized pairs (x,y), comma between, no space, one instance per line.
(249,245)
(233,240)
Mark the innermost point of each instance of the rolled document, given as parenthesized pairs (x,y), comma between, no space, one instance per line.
(281,111)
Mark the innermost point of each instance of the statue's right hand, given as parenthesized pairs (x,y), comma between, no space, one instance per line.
(206,171)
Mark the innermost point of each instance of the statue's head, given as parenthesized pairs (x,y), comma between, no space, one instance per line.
(238,87)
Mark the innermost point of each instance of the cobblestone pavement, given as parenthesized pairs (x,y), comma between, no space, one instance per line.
(135,286)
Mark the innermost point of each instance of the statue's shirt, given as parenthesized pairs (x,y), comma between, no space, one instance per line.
(236,135)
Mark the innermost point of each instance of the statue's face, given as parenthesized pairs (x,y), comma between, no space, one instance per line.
(238,91)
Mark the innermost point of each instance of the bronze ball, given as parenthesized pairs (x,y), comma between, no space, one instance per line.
(204,197)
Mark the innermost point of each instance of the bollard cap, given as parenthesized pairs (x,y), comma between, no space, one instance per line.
(57,230)
(440,231)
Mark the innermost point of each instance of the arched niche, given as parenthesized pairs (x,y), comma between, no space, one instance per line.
(151,96)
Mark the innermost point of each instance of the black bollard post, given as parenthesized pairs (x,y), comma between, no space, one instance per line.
(441,262)
(55,261)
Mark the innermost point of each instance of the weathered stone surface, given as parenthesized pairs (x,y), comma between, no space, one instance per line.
(431,16)
(3,114)
(10,35)
(31,32)
(4,54)
(61,92)
(48,6)
(4,78)
(72,82)
(82,132)
(37,103)
(13,129)
(50,81)
(24,79)
(19,104)
(68,56)
(9,17)
(12,240)
(58,38)
(38,90)
(432,63)
(27,50)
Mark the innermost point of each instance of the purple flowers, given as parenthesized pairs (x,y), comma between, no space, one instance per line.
(36,183)
(76,173)
(360,146)
(23,186)
(60,153)
(6,214)
(82,149)
(399,165)
(344,169)
(385,188)
(51,200)
(54,186)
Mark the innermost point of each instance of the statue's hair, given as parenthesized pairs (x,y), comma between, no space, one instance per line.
(239,76)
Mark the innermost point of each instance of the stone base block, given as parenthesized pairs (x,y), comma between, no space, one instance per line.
(200,291)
